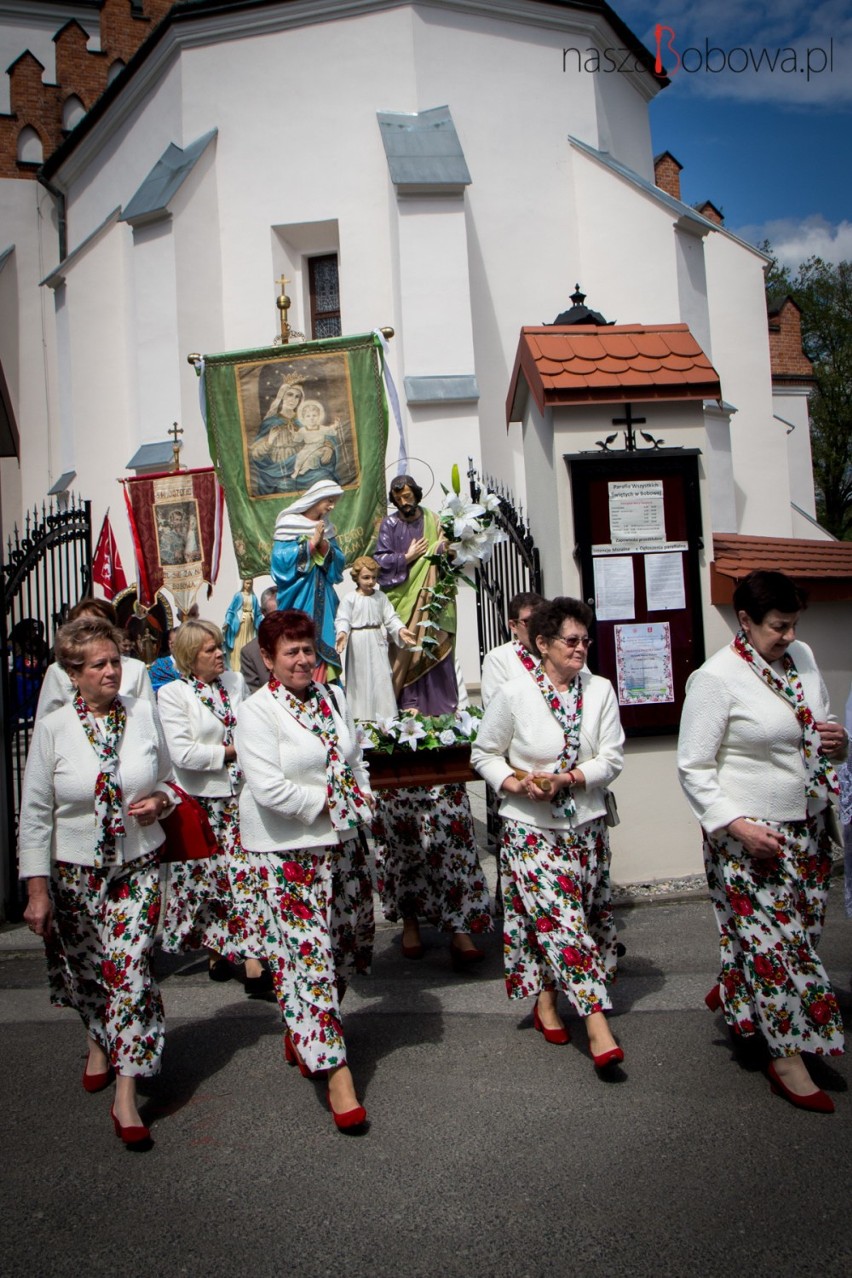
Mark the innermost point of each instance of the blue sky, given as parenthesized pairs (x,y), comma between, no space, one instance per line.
(771,149)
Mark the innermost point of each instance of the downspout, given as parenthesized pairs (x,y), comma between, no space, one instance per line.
(61,215)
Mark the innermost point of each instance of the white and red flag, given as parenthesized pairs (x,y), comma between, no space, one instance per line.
(106,565)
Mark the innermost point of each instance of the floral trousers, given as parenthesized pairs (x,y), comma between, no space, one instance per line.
(559,931)
(313,911)
(98,956)
(770,915)
(204,906)
(426,859)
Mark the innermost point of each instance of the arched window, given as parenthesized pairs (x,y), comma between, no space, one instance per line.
(72,112)
(115,68)
(30,149)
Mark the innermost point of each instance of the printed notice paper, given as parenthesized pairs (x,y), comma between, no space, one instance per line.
(614,588)
(636,511)
(664,588)
(643,660)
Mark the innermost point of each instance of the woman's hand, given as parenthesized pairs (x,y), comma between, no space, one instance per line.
(230,753)
(408,636)
(147,811)
(341,641)
(38,915)
(316,539)
(758,840)
(832,739)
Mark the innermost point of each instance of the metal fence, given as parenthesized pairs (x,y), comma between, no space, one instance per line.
(514,567)
(47,569)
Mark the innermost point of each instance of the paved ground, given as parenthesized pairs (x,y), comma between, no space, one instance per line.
(489,1152)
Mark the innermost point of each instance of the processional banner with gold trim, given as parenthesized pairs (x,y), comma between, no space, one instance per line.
(281,418)
(176,524)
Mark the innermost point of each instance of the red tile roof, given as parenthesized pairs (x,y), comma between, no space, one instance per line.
(586,364)
(823,567)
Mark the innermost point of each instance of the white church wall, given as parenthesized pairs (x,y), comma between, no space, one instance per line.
(740,338)
(790,408)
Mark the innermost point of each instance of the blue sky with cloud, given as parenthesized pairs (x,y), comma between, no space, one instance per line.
(770,148)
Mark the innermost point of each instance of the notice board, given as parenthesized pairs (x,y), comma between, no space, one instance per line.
(637,527)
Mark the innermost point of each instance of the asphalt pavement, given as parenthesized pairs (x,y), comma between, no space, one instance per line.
(489,1152)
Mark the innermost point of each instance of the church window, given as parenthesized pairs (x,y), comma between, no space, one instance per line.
(72,112)
(325,296)
(30,149)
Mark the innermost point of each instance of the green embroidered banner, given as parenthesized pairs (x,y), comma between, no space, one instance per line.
(283,417)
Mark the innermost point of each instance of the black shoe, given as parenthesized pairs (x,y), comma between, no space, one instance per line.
(259,984)
(220,970)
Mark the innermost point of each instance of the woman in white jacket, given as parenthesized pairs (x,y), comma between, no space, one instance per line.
(93,791)
(754,757)
(549,743)
(306,797)
(206,903)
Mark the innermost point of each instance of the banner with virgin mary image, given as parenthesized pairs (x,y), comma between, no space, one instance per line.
(280,419)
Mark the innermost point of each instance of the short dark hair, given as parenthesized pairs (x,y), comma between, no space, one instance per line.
(547,619)
(405,481)
(526,599)
(762,591)
(289,624)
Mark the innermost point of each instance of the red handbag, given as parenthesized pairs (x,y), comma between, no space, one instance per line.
(189,834)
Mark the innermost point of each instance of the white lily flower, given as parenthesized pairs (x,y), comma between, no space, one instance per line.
(364,736)
(388,727)
(464,722)
(491,502)
(410,731)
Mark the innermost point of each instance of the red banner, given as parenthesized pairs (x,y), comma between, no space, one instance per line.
(176,524)
(106,565)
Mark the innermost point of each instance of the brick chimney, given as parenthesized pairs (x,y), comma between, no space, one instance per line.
(708,209)
(787,358)
(667,173)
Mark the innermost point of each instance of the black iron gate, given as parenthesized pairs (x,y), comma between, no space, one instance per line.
(514,566)
(46,571)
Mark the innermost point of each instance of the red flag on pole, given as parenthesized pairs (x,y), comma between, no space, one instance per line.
(106,565)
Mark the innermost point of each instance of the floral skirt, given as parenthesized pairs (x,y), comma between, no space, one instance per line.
(208,903)
(98,957)
(426,859)
(559,931)
(315,926)
(770,915)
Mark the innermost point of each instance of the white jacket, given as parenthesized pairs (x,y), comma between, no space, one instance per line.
(57,689)
(282,805)
(518,730)
(740,746)
(499,666)
(57,821)
(194,736)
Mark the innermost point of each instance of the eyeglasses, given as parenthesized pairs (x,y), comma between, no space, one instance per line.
(575,641)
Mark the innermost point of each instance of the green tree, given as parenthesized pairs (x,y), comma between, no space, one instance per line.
(823,292)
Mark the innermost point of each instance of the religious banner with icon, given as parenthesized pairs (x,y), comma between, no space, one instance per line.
(280,419)
(176,525)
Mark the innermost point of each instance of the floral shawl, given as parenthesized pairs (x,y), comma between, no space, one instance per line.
(347,806)
(821,778)
(214,696)
(570,718)
(109,822)
(524,655)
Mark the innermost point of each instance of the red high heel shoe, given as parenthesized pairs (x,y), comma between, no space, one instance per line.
(138,1138)
(817,1102)
(550,1035)
(350,1122)
(97,1082)
(714,998)
(463,960)
(292,1057)
(614,1056)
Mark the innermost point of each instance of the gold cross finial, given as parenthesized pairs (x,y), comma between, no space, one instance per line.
(282,280)
(174,432)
